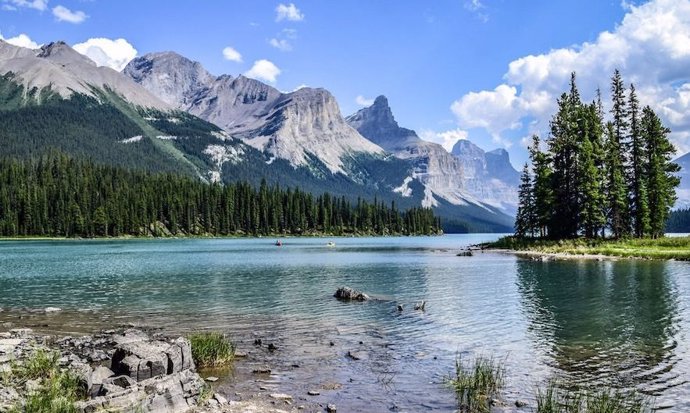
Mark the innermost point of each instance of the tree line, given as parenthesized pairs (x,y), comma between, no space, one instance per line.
(679,221)
(598,178)
(56,195)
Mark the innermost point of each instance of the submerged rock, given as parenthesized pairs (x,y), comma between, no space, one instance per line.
(420,306)
(347,293)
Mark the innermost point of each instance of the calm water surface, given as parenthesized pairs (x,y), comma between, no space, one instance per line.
(588,323)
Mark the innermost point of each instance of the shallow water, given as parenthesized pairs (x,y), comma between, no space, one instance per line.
(587,323)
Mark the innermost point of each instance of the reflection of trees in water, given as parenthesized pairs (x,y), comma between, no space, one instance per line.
(609,323)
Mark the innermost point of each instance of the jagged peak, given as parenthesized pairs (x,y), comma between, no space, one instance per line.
(61,52)
(466,147)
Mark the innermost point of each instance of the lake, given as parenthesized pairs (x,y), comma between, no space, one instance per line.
(587,323)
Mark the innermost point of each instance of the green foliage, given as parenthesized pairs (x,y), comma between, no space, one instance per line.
(57,389)
(55,195)
(555,399)
(476,382)
(677,248)
(587,186)
(211,349)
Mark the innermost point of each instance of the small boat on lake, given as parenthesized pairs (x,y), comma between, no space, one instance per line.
(279,243)
(330,244)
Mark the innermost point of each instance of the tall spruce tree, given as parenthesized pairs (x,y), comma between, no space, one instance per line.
(525,217)
(619,114)
(542,188)
(637,184)
(661,181)
(564,147)
(590,191)
(616,191)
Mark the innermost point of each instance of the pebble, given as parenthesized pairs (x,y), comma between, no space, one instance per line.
(272,347)
(52,309)
(212,379)
(313,393)
(331,408)
(220,398)
(240,354)
(520,403)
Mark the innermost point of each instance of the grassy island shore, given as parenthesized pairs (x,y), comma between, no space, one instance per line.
(646,248)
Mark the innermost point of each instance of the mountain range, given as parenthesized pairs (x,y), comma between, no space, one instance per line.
(165,112)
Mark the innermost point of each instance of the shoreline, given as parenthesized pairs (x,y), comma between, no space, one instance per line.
(535,255)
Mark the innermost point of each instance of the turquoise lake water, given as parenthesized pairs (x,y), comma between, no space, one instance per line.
(588,323)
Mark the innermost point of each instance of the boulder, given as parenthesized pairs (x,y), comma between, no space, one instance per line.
(100,374)
(143,360)
(347,293)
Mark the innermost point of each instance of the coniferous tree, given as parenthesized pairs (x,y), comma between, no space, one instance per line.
(591,196)
(525,217)
(619,114)
(542,189)
(616,191)
(639,208)
(661,179)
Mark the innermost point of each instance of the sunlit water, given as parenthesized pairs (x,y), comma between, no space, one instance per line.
(587,323)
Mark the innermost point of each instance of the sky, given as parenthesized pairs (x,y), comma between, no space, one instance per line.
(484,70)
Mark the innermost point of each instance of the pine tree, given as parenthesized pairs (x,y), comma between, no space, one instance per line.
(564,147)
(525,217)
(639,209)
(542,189)
(619,113)
(661,181)
(616,191)
(589,177)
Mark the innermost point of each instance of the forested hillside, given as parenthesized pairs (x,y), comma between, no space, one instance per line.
(679,221)
(55,195)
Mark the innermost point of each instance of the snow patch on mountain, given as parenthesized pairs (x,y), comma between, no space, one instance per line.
(132,139)
(404,189)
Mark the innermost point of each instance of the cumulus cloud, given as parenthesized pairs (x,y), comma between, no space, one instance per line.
(264,70)
(63,14)
(231,54)
(651,47)
(288,12)
(114,54)
(21,40)
(30,4)
(447,139)
(362,101)
(280,44)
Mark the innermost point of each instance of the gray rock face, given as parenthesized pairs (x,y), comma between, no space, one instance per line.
(146,359)
(488,175)
(65,71)
(293,126)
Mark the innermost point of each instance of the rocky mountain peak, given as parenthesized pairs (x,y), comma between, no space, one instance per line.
(465,148)
(60,52)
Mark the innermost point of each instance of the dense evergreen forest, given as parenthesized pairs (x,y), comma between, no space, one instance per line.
(595,178)
(679,221)
(55,195)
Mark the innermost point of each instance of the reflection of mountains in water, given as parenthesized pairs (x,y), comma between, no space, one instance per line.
(604,323)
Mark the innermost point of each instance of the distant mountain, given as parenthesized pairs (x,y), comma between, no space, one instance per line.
(683,191)
(297,126)
(306,129)
(441,174)
(488,175)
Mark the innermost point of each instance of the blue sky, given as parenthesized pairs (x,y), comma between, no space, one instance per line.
(450,68)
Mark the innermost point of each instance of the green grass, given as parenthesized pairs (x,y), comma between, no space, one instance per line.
(476,382)
(677,248)
(554,399)
(57,389)
(211,349)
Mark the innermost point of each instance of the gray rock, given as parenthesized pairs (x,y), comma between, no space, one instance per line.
(400,307)
(100,374)
(142,360)
(520,403)
(313,392)
(420,306)
(280,396)
(220,399)
(262,370)
(358,355)
(212,379)
(347,293)
(21,332)
(330,408)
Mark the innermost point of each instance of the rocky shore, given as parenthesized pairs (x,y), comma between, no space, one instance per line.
(128,370)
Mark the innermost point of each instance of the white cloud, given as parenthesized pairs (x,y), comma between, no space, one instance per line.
(63,14)
(288,12)
(107,52)
(21,40)
(477,7)
(280,44)
(362,101)
(231,54)
(31,4)
(446,139)
(651,47)
(264,70)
